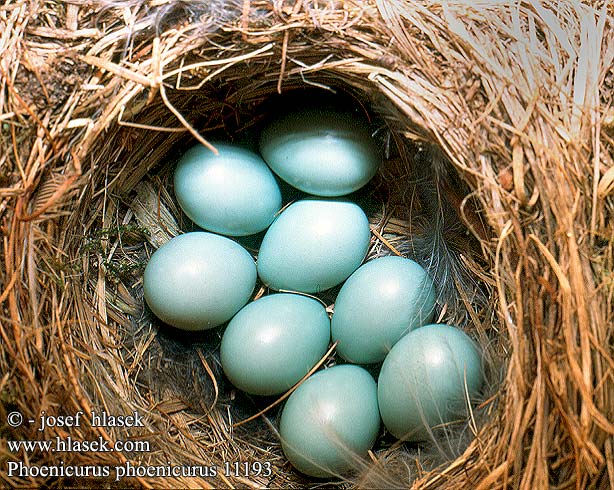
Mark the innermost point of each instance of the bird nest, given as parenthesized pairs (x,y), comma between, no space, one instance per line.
(496,124)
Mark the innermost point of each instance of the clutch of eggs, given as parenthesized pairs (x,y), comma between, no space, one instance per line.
(200,280)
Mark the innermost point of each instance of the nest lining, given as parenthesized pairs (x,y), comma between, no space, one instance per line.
(460,85)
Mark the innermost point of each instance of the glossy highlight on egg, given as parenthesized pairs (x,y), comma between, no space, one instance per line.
(314,245)
(331,421)
(383,300)
(425,380)
(321,150)
(233,193)
(273,342)
(198,280)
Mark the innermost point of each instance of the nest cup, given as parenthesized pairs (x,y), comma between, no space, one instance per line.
(501,190)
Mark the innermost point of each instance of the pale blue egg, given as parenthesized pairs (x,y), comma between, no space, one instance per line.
(425,379)
(379,303)
(321,151)
(233,193)
(314,245)
(199,280)
(273,342)
(331,421)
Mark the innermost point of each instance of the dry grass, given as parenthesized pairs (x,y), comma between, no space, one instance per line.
(514,98)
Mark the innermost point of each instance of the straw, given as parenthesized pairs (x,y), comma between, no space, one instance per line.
(515,98)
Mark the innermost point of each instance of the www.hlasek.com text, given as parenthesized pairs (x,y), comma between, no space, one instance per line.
(68,445)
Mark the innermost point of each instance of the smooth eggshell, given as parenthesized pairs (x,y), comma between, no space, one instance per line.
(321,151)
(379,303)
(233,193)
(423,380)
(199,280)
(330,421)
(314,245)
(273,342)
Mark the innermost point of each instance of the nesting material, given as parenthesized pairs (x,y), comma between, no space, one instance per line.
(153,216)
(497,125)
